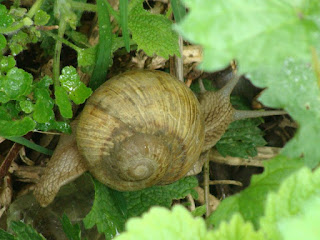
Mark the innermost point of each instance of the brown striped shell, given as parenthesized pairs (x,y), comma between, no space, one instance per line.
(139,129)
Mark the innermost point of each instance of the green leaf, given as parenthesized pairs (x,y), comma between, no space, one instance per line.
(41,18)
(63,102)
(9,111)
(199,211)
(273,42)
(241,139)
(104,49)
(70,81)
(111,209)
(298,91)
(73,232)
(43,109)
(179,11)
(304,225)
(25,232)
(19,42)
(26,106)
(272,29)
(123,8)
(29,144)
(3,42)
(5,19)
(295,199)
(45,82)
(16,83)
(104,212)
(87,57)
(6,236)
(160,223)
(54,125)
(153,33)
(139,202)
(236,229)
(6,63)
(250,202)
(16,127)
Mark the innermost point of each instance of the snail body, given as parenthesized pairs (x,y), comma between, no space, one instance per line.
(138,129)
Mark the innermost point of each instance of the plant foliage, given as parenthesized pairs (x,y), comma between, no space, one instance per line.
(276,44)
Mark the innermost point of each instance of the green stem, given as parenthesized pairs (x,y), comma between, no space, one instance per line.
(35,7)
(83,6)
(13,28)
(64,41)
(113,12)
(57,52)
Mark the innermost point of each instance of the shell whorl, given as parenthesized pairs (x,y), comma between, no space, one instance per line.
(140,128)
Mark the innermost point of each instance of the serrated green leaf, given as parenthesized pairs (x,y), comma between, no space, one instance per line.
(109,212)
(272,29)
(41,18)
(3,42)
(242,137)
(16,127)
(153,33)
(299,92)
(236,229)
(6,63)
(160,223)
(139,202)
(250,202)
(25,232)
(16,83)
(70,81)
(73,232)
(63,102)
(43,109)
(273,43)
(296,196)
(104,213)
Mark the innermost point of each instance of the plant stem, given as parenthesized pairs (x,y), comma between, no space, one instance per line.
(57,52)
(64,41)
(35,7)
(12,28)
(83,6)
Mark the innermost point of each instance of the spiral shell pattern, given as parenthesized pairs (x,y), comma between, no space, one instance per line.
(139,129)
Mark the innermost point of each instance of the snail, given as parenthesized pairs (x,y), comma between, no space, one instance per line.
(139,129)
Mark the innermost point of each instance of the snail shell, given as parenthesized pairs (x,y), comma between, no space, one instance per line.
(139,129)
